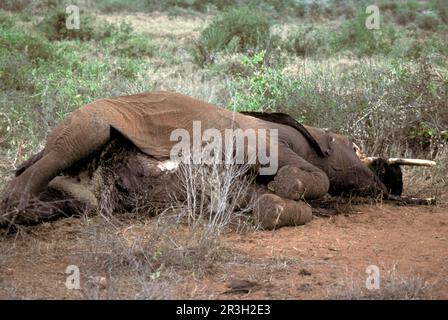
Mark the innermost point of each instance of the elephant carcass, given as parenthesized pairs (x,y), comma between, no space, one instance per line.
(321,162)
(117,179)
(123,179)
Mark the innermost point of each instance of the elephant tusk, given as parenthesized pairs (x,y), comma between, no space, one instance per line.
(401,161)
(411,162)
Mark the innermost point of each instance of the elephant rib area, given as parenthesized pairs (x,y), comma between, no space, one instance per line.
(148,120)
(117,179)
(124,178)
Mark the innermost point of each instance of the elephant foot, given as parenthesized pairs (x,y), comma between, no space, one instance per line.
(273,212)
(15,196)
(286,183)
(13,204)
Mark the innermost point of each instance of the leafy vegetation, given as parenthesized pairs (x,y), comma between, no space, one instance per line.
(53,26)
(238,29)
(357,38)
(42,81)
(314,60)
(266,89)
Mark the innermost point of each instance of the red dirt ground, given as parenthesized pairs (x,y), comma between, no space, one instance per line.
(326,258)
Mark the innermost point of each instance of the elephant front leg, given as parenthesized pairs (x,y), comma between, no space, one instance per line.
(272,212)
(287,183)
(297,178)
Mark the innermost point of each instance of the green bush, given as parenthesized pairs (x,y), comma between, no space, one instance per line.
(53,26)
(17,41)
(428,22)
(135,46)
(442,8)
(127,68)
(237,29)
(202,5)
(343,8)
(199,5)
(391,6)
(15,72)
(405,16)
(41,81)
(6,21)
(123,41)
(356,37)
(265,89)
(303,42)
(15,5)
(121,38)
(109,6)
(20,53)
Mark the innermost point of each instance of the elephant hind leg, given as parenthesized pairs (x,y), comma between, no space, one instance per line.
(28,163)
(76,138)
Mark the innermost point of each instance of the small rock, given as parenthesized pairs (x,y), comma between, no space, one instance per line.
(9,271)
(306,287)
(99,281)
(241,286)
(304,272)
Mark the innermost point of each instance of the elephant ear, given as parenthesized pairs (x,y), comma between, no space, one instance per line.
(323,141)
(318,141)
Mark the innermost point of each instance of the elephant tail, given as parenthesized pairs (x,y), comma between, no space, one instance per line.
(28,163)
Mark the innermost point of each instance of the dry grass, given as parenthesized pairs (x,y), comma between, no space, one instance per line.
(160,25)
(213,200)
(393,286)
(118,264)
(215,194)
(186,237)
(428,182)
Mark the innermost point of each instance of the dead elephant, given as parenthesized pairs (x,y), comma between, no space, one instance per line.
(311,162)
